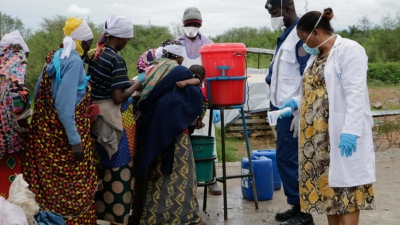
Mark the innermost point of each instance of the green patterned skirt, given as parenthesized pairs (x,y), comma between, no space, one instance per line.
(169,199)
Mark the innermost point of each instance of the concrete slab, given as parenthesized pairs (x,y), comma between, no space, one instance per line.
(241,211)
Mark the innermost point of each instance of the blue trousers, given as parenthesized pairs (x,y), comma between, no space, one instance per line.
(287,152)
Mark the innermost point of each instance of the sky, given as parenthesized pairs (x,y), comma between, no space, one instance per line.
(218,15)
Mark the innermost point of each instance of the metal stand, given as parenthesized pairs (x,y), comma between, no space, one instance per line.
(208,183)
(224,177)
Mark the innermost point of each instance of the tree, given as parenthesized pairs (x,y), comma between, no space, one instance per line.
(364,23)
(146,37)
(176,28)
(388,23)
(8,24)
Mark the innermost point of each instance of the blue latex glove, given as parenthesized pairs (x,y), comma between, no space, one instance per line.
(348,144)
(289,103)
(216,116)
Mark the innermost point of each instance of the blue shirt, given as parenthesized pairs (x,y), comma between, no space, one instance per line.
(66,94)
(301,60)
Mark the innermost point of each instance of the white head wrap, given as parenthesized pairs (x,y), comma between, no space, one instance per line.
(159,52)
(81,33)
(14,38)
(174,49)
(119,26)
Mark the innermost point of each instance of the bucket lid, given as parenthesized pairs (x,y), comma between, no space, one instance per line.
(223,47)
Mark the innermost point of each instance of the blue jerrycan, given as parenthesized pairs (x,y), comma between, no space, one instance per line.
(262,167)
(271,154)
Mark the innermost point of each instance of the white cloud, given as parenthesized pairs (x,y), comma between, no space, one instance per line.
(76,10)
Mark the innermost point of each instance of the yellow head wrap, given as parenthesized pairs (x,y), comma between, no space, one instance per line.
(76,31)
(70,25)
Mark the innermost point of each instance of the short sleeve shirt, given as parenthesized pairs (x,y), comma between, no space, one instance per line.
(108,73)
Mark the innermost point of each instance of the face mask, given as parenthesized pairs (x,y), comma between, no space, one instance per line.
(277,22)
(315,51)
(311,51)
(191,31)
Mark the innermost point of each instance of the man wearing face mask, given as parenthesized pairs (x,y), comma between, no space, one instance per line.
(285,73)
(192,40)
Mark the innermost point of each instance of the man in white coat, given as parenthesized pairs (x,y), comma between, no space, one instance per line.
(192,40)
(284,79)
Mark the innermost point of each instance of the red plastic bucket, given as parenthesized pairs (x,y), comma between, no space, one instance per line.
(227,92)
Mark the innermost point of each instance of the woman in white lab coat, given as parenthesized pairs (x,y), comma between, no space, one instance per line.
(334,123)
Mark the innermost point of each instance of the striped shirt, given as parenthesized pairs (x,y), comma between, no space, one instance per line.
(108,73)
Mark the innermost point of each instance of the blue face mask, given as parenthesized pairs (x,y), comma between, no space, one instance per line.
(311,51)
(315,51)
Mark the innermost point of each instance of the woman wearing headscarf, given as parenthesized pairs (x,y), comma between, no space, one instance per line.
(14,106)
(145,59)
(58,162)
(114,128)
(165,188)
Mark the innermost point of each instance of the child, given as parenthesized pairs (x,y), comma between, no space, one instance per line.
(199,74)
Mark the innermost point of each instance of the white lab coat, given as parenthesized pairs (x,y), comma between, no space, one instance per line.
(286,78)
(349,112)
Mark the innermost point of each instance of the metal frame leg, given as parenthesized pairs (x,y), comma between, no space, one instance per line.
(205,198)
(250,160)
(214,173)
(224,164)
(224,177)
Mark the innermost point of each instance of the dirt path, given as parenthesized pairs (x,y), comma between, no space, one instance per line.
(241,211)
(388,97)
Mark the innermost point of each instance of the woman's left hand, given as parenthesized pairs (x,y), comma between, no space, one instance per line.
(348,144)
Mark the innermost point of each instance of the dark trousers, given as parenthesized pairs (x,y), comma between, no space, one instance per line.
(287,154)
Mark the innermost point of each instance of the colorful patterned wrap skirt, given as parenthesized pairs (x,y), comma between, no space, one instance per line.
(168,199)
(61,184)
(116,181)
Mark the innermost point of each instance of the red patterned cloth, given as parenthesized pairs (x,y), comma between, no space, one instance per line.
(10,165)
(61,184)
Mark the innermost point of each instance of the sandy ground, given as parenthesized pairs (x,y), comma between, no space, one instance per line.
(241,211)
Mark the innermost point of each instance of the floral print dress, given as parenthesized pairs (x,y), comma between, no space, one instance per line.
(314,146)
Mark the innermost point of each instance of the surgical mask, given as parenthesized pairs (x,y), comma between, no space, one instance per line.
(191,31)
(315,51)
(277,22)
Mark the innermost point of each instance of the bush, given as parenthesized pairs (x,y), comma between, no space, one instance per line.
(388,73)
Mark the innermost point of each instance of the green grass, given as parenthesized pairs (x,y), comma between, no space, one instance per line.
(385,126)
(231,149)
(372,83)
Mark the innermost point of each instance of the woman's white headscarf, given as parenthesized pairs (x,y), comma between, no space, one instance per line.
(119,26)
(14,38)
(75,29)
(177,50)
